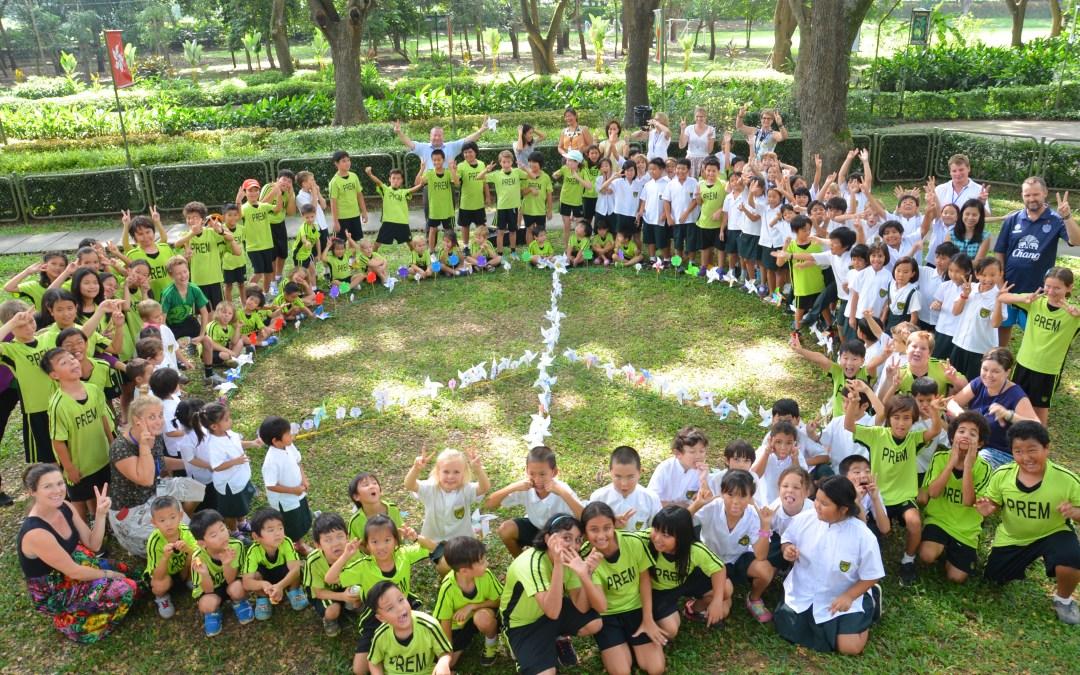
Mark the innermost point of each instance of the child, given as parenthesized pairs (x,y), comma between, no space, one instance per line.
(893,449)
(622,560)
(367,497)
(683,567)
(739,536)
(193,448)
(450,249)
(540,250)
(837,440)
(655,227)
(440,195)
(626,251)
(22,355)
(224,342)
(347,208)
(794,487)
(738,456)
(184,304)
(233,266)
(676,480)
(215,571)
(285,481)
(713,228)
(603,244)
(536,197)
(168,553)
(625,188)
(1037,498)
(681,207)
(781,452)
(144,231)
(229,462)
(255,318)
(366,260)
(1052,325)
(468,599)
(812,455)
(604,211)
(80,425)
(311,193)
(406,641)
(849,367)
(807,279)
(271,565)
(975,334)
(282,194)
(871,285)
(31,288)
(395,207)
(258,239)
(731,213)
(749,239)
(634,505)
(541,493)
(449,494)
(904,303)
(575,247)
(207,240)
(151,315)
(508,182)
(336,258)
(573,189)
(330,600)
(930,280)
(482,247)
(419,262)
(307,249)
(774,232)
(290,302)
(952,524)
(856,468)
(474,194)
(960,271)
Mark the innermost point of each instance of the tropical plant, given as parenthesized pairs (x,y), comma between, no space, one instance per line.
(69,64)
(599,27)
(492,39)
(129,56)
(252,42)
(686,41)
(193,52)
(321,47)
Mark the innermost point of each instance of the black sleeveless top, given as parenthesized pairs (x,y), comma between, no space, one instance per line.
(35,567)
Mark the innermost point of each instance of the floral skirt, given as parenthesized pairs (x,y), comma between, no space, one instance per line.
(84,611)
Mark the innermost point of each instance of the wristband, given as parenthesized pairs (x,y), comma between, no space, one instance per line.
(764,534)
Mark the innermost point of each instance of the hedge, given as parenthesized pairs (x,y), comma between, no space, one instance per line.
(9,208)
(997,159)
(324,170)
(213,184)
(87,193)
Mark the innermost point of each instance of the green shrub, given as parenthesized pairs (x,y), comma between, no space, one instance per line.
(9,209)
(903,156)
(997,159)
(80,194)
(45,87)
(213,184)
(1061,165)
(153,68)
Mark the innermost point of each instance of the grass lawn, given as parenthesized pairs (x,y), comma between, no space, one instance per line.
(706,337)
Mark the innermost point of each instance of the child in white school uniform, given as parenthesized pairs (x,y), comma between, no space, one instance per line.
(676,480)
(449,494)
(794,490)
(781,452)
(738,456)
(634,504)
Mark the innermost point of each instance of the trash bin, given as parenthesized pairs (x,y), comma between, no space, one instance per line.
(642,115)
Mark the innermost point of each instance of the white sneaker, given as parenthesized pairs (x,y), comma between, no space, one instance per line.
(165,607)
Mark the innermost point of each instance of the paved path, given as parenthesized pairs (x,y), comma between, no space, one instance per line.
(1036,128)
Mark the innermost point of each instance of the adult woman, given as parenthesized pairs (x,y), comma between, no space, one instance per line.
(574,136)
(657,136)
(920,345)
(698,139)
(140,472)
(999,400)
(548,595)
(525,144)
(613,146)
(86,596)
(968,232)
(831,595)
(762,139)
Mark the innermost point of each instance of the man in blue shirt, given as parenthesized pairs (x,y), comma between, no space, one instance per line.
(1027,244)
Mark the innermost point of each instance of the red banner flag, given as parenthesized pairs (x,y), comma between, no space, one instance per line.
(121,73)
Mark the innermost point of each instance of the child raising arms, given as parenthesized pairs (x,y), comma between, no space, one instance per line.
(449,494)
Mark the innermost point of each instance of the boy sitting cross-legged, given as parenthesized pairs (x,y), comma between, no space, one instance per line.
(468,598)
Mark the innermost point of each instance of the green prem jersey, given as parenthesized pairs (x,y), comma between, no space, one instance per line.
(223,334)
(257,235)
(359,520)
(306,239)
(340,267)
(32,291)
(1031,513)
(215,568)
(365,571)
(178,308)
(155,552)
(590,174)
(947,510)
(1048,333)
(536,204)
(361,261)
(314,574)
(712,199)
(472,188)
(283,199)
(576,244)
(440,190)
(604,241)
(395,204)
(256,559)
(935,371)
(420,259)
(893,462)
(621,577)
(545,250)
(103,375)
(451,598)
(79,424)
(665,571)
(806,280)
(345,191)
(229,260)
(95,341)
(157,259)
(529,574)
(507,187)
(255,321)
(24,359)
(483,248)
(629,250)
(206,250)
(416,654)
(444,257)
(572,190)
(839,381)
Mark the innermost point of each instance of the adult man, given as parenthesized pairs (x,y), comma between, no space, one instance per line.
(1027,244)
(451,148)
(961,188)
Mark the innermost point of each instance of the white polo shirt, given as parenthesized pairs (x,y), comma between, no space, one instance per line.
(642,500)
(672,483)
(774,466)
(538,510)
(727,544)
(781,519)
(282,467)
(840,443)
(446,514)
(680,195)
(220,450)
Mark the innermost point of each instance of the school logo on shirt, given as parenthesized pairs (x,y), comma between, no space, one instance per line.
(882,292)
(845,566)
(984,313)
(744,540)
(902,306)
(690,494)
(459,512)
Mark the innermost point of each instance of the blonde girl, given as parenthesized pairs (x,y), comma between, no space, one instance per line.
(419,262)
(223,333)
(449,493)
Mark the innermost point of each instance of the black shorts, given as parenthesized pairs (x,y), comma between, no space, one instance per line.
(506,219)
(533,646)
(84,489)
(666,602)
(588,208)
(958,554)
(678,235)
(730,244)
(236,504)
(539,222)
(353,226)
(768,259)
(572,210)
(236,276)
(37,443)
(802,629)
(393,233)
(273,574)
(281,239)
(262,262)
(188,328)
(626,225)
(896,511)
(526,532)
(1009,563)
(776,554)
(657,235)
(619,629)
(737,571)
(699,238)
(748,246)
(322,605)
(367,632)
(461,637)
(1039,387)
(214,296)
(303,264)
(805,302)
(444,223)
(470,217)
(607,219)
(297,521)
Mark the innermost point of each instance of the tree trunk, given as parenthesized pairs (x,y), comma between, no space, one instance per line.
(541,46)
(712,37)
(1055,18)
(344,32)
(1018,8)
(822,75)
(638,27)
(783,29)
(580,30)
(268,45)
(697,33)
(626,31)
(512,30)
(749,26)
(7,44)
(37,37)
(279,31)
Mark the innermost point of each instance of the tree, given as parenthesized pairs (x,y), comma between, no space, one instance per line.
(158,29)
(826,32)
(344,31)
(638,23)
(541,46)
(580,30)
(1055,18)
(1018,8)
(599,27)
(783,29)
(279,33)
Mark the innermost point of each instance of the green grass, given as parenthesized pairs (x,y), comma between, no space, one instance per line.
(705,336)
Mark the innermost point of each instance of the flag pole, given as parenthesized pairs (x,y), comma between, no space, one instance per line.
(123,67)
